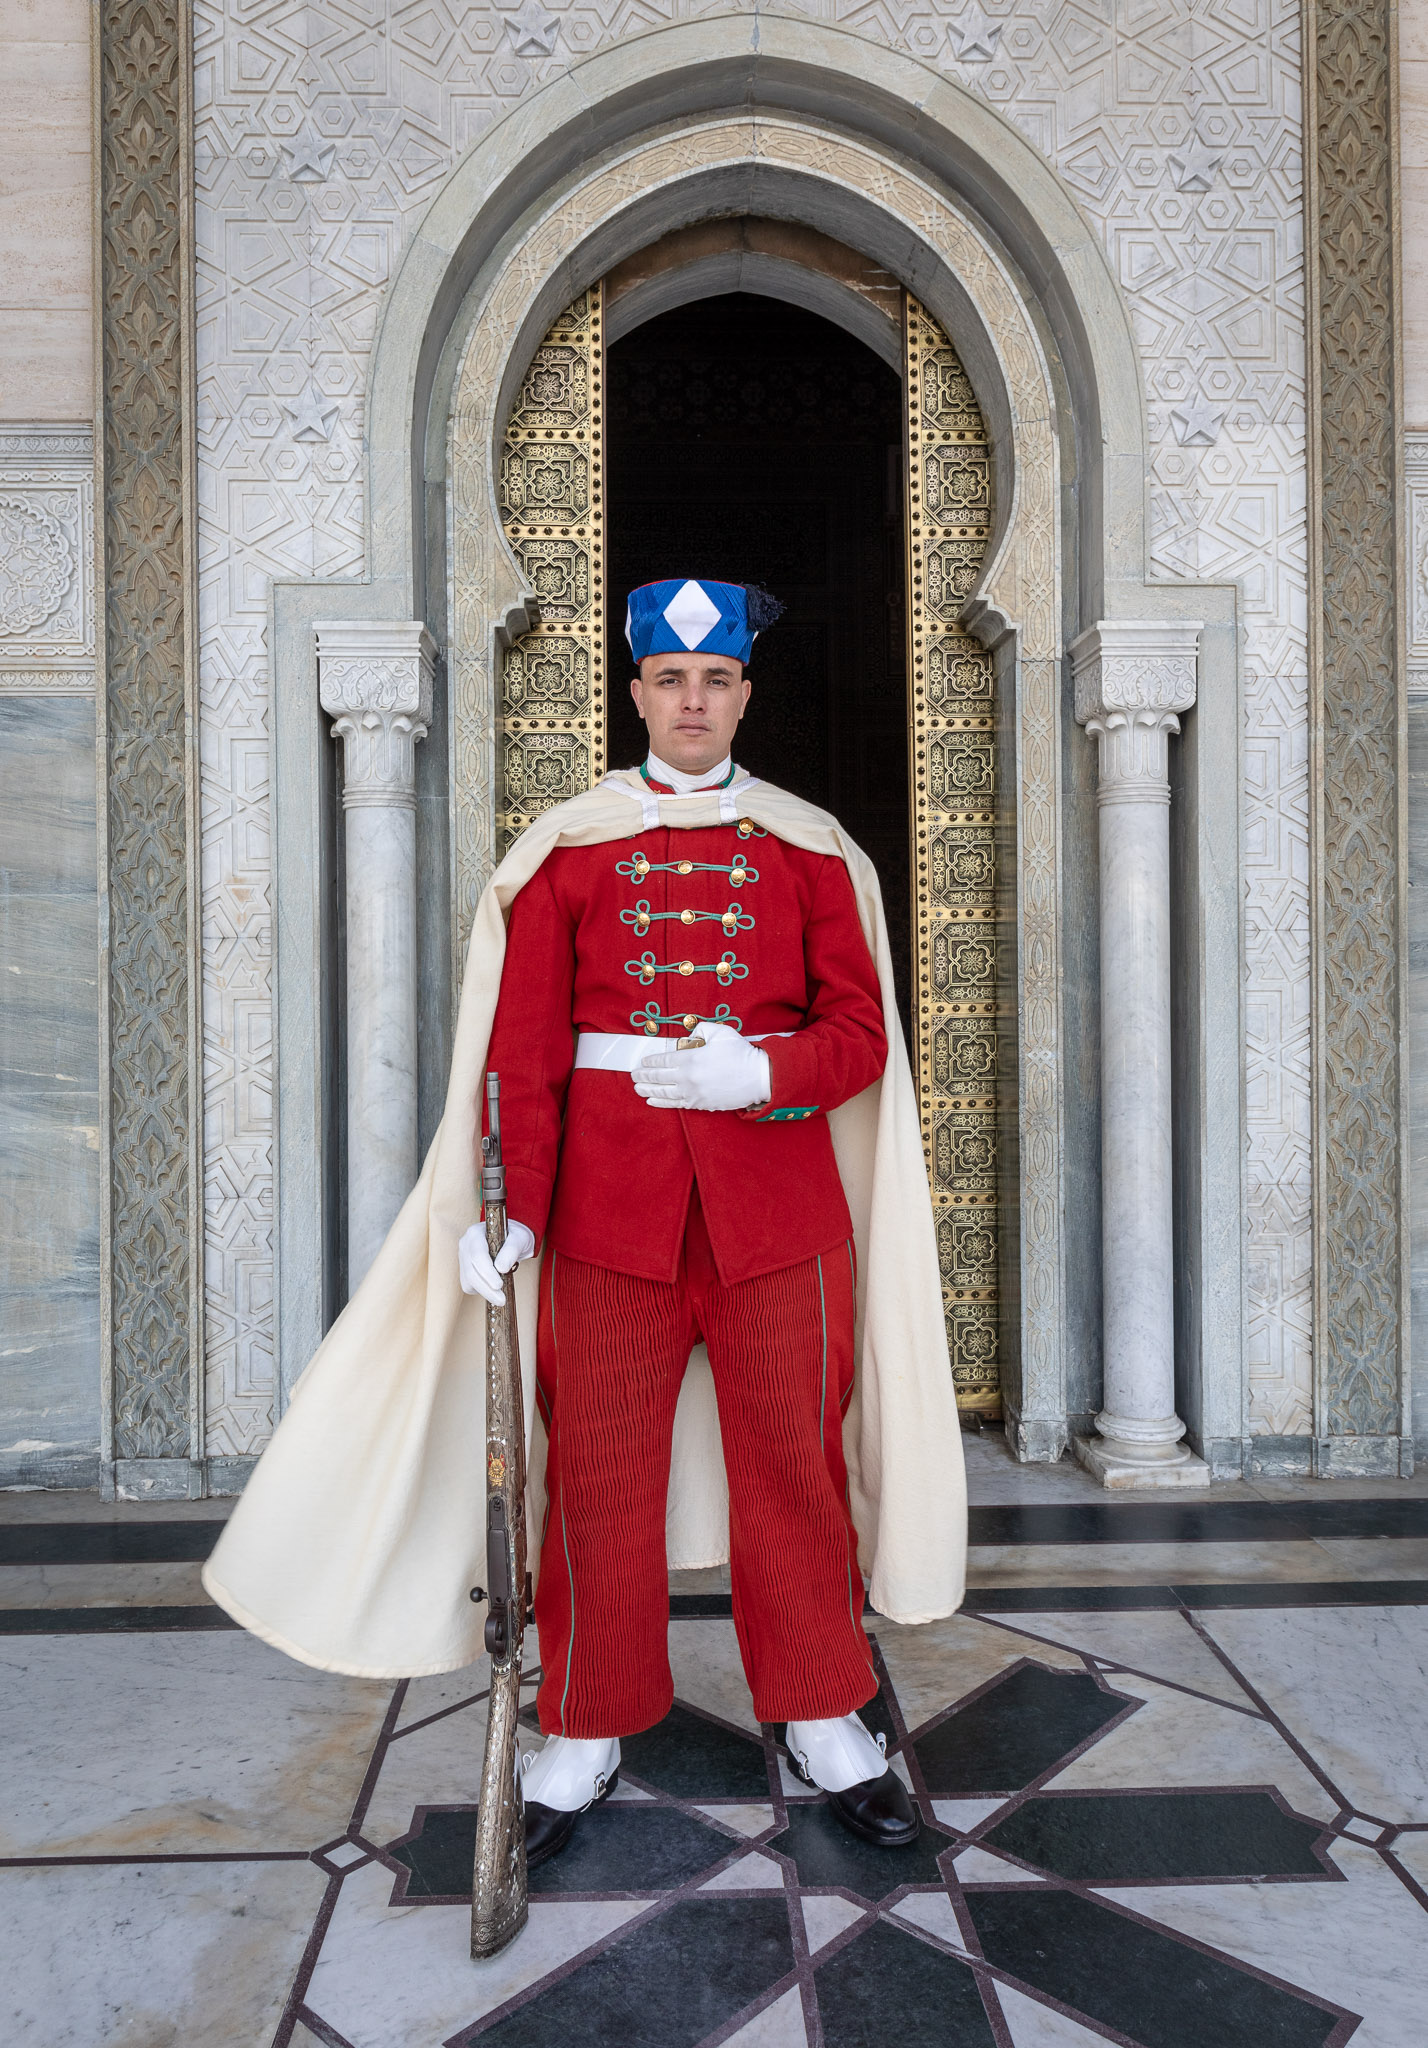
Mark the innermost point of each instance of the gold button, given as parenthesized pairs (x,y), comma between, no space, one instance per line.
(730,921)
(745,828)
(686,917)
(690,1022)
(738,875)
(686,967)
(652,1029)
(686,867)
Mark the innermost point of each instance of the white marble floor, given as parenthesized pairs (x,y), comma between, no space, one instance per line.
(1175,1794)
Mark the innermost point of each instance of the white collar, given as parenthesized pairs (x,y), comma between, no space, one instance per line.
(679,782)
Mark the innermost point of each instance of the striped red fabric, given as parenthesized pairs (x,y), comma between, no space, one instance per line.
(611,1356)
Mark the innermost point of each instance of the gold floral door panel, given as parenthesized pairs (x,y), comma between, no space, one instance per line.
(550,727)
(550,742)
(952,781)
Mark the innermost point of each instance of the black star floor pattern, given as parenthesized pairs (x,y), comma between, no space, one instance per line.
(751,1915)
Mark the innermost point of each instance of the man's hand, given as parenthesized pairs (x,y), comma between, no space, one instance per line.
(480,1273)
(726,1072)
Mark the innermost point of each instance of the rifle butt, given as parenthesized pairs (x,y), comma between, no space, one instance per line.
(498,1894)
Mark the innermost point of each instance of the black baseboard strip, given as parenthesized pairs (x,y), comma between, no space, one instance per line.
(1191,1521)
(1111,1599)
(1058,1522)
(1052,1599)
(90,1621)
(108,1621)
(176,1542)
(1313,1593)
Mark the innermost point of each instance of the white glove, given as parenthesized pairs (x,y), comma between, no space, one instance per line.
(480,1273)
(726,1072)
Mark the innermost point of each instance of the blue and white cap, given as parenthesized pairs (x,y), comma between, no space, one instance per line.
(690,615)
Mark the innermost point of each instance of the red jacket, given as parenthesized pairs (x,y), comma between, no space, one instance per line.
(776,946)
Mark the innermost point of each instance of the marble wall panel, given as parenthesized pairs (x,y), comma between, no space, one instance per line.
(49,1093)
(1413,177)
(322,134)
(1413,187)
(1415,464)
(46,344)
(1418,1054)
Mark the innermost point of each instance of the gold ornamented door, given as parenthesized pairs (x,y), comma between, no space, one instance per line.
(550,742)
(550,722)
(952,762)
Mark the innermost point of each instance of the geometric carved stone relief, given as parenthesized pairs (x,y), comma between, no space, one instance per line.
(1361,1387)
(151,1215)
(323,134)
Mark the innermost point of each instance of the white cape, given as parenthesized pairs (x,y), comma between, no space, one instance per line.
(361,1531)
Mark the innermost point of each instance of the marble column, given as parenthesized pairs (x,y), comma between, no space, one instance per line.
(376,682)
(1132,678)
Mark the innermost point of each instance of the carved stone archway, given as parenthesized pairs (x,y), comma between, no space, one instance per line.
(809,125)
(792,170)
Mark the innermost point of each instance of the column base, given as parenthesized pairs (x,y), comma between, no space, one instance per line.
(1123,1467)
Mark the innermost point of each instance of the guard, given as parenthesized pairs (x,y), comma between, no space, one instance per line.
(724,1266)
(677,1016)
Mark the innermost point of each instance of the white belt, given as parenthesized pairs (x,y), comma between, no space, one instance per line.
(620,1052)
(617,1052)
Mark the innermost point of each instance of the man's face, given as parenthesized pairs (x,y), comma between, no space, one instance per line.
(691,704)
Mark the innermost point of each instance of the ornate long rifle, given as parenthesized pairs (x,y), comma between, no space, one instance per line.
(498,1893)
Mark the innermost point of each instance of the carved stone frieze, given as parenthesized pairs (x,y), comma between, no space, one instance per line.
(1361,1258)
(39,564)
(46,558)
(151,1210)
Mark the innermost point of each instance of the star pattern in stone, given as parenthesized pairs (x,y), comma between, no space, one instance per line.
(1197,423)
(690,613)
(308,158)
(312,415)
(1193,168)
(974,36)
(533,31)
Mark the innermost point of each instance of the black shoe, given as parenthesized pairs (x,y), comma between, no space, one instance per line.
(878,1810)
(548,1829)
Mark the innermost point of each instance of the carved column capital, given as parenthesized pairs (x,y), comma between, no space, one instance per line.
(376,683)
(1133,677)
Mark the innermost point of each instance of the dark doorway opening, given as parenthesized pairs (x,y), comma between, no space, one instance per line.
(751,441)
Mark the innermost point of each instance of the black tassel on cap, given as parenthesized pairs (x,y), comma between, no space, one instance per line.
(762,608)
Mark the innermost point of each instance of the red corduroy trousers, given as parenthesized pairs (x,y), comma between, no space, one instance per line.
(611,1356)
